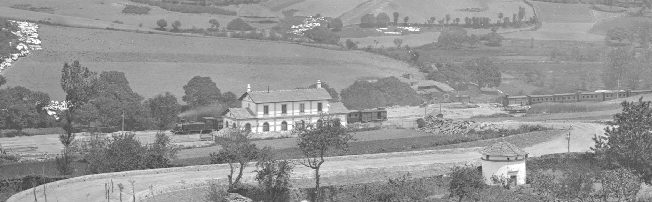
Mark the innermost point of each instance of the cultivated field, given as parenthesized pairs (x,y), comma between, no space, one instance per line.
(111,10)
(420,11)
(330,8)
(601,27)
(564,13)
(152,67)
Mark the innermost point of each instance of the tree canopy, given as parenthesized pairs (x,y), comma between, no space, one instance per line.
(627,141)
(452,37)
(201,91)
(239,25)
(163,109)
(485,72)
(331,91)
(337,24)
(382,20)
(322,35)
(385,92)
(368,20)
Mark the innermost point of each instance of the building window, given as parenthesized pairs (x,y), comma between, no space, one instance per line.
(302,108)
(284,126)
(284,109)
(248,127)
(380,115)
(266,110)
(226,123)
(265,127)
(319,107)
(234,125)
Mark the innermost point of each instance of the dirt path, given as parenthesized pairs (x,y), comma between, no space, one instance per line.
(91,188)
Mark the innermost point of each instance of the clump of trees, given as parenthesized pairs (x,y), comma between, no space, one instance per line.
(385,92)
(183,8)
(162,24)
(381,20)
(481,72)
(123,152)
(140,10)
(238,25)
(322,35)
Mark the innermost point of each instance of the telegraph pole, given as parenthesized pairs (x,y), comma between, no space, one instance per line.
(568,137)
(123,122)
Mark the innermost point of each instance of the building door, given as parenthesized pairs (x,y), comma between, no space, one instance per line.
(284,126)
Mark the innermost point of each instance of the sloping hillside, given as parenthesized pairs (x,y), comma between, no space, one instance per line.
(156,63)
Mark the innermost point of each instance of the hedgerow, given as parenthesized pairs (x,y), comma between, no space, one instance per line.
(186,8)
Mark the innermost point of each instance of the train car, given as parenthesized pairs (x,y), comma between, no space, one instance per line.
(207,125)
(368,115)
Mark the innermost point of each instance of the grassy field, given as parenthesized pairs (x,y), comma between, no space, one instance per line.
(551,108)
(152,67)
(601,27)
(422,10)
(111,10)
(331,8)
(564,13)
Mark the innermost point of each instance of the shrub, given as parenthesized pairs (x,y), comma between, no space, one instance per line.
(118,22)
(140,10)
(175,25)
(216,193)
(274,177)
(421,123)
(351,45)
(162,23)
(238,25)
(64,164)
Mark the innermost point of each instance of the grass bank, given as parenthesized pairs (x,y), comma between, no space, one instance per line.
(552,108)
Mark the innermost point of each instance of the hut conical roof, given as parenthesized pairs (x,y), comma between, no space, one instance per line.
(503,149)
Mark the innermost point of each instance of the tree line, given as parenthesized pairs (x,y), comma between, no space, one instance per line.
(382,19)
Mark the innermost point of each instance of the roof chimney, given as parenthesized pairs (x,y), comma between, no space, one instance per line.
(318,83)
(248,87)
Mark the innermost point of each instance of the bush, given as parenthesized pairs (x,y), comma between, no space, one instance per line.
(421,123)
(216,193)
(351,45)
(238,25)
(186,8)
(385,92)
(140,10)
(274,178)
(64,164)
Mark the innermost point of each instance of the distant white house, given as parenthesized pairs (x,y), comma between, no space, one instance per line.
(282,110)
(506,160)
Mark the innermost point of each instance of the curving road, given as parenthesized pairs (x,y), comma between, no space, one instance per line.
(355,168)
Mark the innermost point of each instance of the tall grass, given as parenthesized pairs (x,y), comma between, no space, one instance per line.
(551,108)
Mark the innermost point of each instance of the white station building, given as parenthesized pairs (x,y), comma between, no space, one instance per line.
(504,159)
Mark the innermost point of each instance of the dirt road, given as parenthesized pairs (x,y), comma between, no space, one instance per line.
(148,182)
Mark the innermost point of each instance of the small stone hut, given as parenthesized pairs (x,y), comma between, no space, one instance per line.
(504,159)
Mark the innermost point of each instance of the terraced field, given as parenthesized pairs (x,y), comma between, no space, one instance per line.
(152,67)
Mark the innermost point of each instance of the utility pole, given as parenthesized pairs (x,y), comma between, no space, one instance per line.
(123,122)
(568,137)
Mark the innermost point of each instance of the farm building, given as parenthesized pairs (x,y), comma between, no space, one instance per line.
(596,96)
(282,110)
(506,160)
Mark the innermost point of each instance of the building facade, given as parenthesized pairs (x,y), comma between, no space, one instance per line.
(282,110)
(504,159)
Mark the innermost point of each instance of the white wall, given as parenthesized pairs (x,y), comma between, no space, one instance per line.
(501,168)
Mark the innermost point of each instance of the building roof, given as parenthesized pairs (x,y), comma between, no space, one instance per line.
(337,108)
(240,113)
(288,95)
(444,87)
(503,149)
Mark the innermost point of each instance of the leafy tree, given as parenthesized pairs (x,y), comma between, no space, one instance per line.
(395,15)
(500,15)
(230,99)
(201,91)
(80,86)
(485,72)
(620,184)
(448,18)
(115,98)
(337,24)
(175,25)
(398,42)
(382,20)
(239,25)
(432,20)
(273,176)
(465,181)
(451,37)
(322,35)
(618,33)
(616,65)
(162,24)
(368,20)
(316,139)
(351,45)
(626,142)
(473,39)
(237,150)
(493,39)
(3,80)
(405,20)
(385,92)
(164,109)
(214,24)
(123,153)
